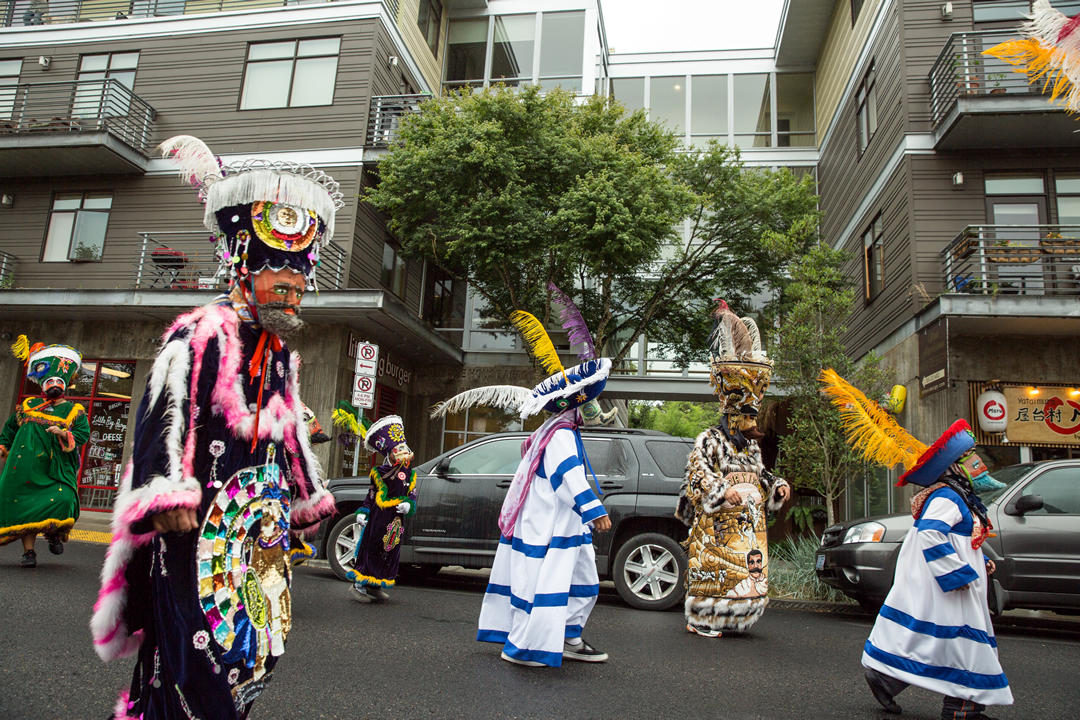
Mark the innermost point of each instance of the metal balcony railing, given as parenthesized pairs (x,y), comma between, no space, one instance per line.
(186,261)
(50,12)
(962,71)
(384,117)
(1014,259)
(79,106)
(7,270)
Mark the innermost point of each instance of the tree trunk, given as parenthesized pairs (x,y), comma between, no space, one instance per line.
(830,514)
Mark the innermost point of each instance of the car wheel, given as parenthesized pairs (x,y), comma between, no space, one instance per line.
(341,545)
(649,570)
(870,603)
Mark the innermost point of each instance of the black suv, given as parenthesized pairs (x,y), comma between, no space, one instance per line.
(461,492)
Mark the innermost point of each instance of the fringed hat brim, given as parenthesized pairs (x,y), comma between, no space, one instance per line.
(269,186)
(573,381)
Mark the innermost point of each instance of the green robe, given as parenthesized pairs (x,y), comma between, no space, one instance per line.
(38,492)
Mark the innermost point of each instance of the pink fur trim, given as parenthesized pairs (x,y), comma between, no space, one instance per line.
(123,705)
(318,506)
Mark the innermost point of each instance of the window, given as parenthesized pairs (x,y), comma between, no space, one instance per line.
(94,96)
(498,457)
(296,73)
(856,8)
(1068,201)
(874,259)
(439,299)
(795,110)
(1060,491)
(512,49)
(1003,10)
(667,101)
(562,50)
(609,458)
(429,20)
(753,111)
(670,457)
(77,227)
(393,273)
(630,92)
(9,81)
(466,48)
(708,109)
(867,109)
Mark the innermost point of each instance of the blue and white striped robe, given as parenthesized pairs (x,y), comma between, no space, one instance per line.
(928,636)
(544,584)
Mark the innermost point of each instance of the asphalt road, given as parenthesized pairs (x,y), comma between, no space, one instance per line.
(416,657)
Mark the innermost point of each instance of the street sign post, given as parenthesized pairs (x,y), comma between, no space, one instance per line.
(367,364)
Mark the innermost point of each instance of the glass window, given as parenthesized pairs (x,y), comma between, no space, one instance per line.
(667,101)
(795,110)
(290,74)
(866,108)
(856,8)
(77,226)
(874,259)
(465,50)
(562,49)
(630,92)
(877,490)
(999,10)
(1060,491)
(753,111)
(94,95)
(708,108)
(392,276)
(1014,185)
(512,49)
(9,80)
(1068,202)
(498,457)
(669,456)
(609,458)
(856,494)
(429,20)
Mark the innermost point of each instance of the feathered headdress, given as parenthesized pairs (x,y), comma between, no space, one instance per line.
(344,418)
(537,341)
(504,397)
(577,332)
(869,428)
(1049,52)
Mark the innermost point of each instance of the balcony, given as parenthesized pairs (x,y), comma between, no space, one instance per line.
(7,270)
(384,119)
(187,261)
(1040,260)
(977,101)
(90,127)
(22,13)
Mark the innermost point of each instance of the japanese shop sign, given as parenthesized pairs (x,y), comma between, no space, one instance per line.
(1043,414)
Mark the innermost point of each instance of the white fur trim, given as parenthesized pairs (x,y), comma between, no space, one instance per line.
(774,503)
(170,375)
(539,398)
(717,613)
(248,186)
(312,467)
(57,351)
(379,425)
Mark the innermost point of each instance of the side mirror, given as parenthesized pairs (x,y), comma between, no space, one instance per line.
(442,470)
(1025,504)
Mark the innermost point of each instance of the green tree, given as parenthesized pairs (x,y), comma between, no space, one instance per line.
(675,417)
(510,189)
(814,453)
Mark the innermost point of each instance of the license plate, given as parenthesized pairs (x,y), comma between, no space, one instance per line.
(820,562)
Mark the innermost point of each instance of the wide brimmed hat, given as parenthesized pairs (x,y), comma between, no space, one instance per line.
(43,361)
(568,388)
(385,434)
(953,444)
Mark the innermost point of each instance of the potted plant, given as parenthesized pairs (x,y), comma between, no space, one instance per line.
(1008,251)
(996,88)
(967,68)
(1056,244)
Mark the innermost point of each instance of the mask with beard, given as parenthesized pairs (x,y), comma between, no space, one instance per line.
(281,319)
(277,295)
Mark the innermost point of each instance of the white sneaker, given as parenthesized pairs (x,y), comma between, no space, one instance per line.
(526,663)
(704,632)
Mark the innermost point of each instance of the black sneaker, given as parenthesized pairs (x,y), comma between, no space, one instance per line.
(583,652)
(29,559)
(380,594)
(881,693)
(55,546)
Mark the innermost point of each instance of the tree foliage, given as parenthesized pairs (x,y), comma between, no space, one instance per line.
(814,453)
(510,189)
(675,417)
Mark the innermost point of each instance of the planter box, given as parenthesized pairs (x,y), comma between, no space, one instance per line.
(1013,255)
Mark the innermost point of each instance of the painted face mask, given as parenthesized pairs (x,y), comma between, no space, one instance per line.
(52,367)
(592,414)
(978,474)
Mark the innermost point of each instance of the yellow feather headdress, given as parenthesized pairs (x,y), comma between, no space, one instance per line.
(537,341)
(869,429)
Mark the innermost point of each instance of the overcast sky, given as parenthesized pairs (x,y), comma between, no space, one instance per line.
(654,25)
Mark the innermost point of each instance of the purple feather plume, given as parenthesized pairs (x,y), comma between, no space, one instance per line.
(577,332)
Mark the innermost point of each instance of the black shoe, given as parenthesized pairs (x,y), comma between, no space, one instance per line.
(55,546)
(29,559)
(380,594)
(583,652)
(881,693)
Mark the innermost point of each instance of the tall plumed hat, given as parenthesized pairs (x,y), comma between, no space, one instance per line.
(385,434)
(1048,53)
(564,388)
(262,214)
(880,439)
(739,368)
(45,361)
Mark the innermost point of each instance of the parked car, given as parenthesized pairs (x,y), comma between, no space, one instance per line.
(1036,518)
(462,490)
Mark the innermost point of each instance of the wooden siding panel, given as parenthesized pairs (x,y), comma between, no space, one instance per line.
(839,53)
(925,35)
(429,65)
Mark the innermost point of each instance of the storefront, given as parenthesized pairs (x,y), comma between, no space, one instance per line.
(1037,421)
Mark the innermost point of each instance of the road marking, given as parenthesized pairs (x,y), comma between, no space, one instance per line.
(91,536)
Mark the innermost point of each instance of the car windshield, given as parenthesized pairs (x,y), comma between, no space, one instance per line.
(1007,475)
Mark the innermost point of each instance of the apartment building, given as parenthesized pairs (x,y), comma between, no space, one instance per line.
(955,186)
(101,244)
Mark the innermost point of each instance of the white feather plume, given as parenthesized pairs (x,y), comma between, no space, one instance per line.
(755,335)
(505,397)
(198,165)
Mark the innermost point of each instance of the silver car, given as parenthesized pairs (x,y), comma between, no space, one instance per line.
(1036,518)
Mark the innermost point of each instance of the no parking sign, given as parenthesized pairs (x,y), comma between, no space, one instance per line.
(367,363)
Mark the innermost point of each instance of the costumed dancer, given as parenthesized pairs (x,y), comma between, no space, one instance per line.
(41,442)
(391,497)
(196,580)
(1048,53)
(934,629)
(728,490)
(544,584)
